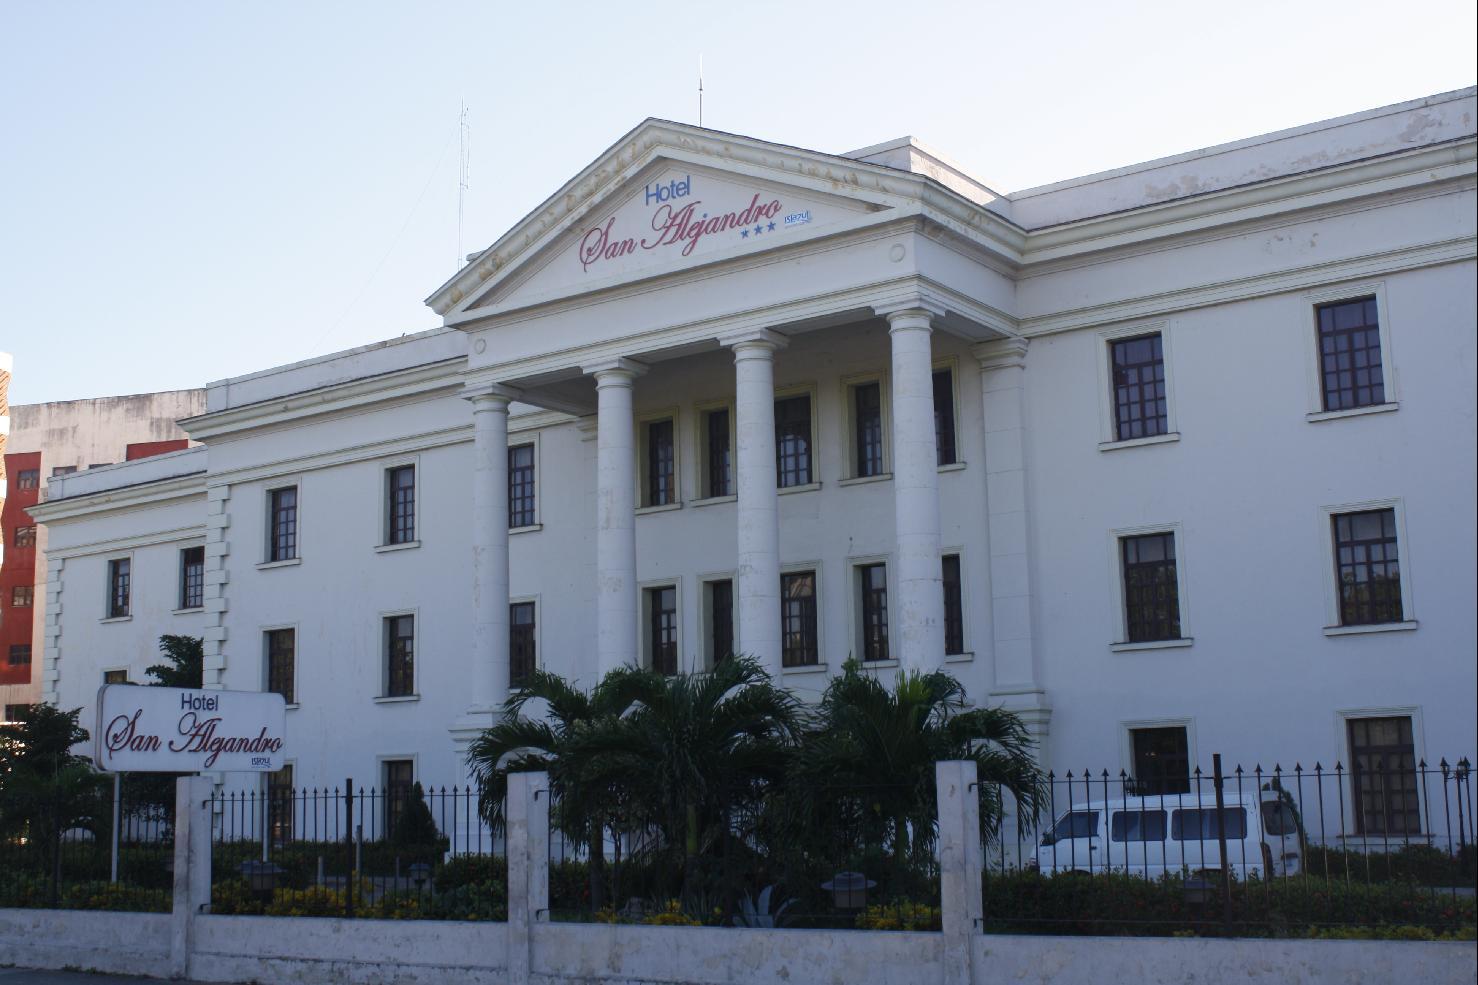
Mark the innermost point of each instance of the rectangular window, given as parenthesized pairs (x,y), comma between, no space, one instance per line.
(662,629)
(1383,776)
(63,470)
(25,536)
(719,474)
(400,656)
(1151,592)
(27,479)
(400,777)
(521,658)
(1162,762)
(192,578)
(400,504)
(1349,354)
(282,540)
(867,429)
(1367,568)
(115,677)
(1137,826)
(1138,366)
(793,441)
(13,712)
(872,585)
(280,804)
(521,486)
(119,585)
(954,605)
(22,596)
(798,620)
(1075,824)
(20,655)
(1202,824)
(282,662)
(720,621)
(944,416)
(661,464)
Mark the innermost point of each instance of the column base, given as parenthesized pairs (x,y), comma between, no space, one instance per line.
(1028,703)
(468,726)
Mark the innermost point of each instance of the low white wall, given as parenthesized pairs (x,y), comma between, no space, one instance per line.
(125,943)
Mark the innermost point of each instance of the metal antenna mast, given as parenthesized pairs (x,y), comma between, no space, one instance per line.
(464,129)
(700,90)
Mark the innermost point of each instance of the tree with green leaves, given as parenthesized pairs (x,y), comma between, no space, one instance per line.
(186,662)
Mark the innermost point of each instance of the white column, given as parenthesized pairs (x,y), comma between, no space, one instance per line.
(961,862)
(192,849)
(489,546)
(758,556)
(919,611)
(616,602)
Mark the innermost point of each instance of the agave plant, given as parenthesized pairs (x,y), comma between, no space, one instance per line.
(756,912)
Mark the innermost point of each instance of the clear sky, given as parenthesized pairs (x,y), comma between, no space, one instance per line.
(190,191)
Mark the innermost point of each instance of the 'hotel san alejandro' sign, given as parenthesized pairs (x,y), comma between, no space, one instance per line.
(183,730)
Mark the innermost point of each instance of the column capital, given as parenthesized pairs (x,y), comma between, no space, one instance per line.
(1007,353)
(754,339)
(614,368)
(911,312)
(482,394)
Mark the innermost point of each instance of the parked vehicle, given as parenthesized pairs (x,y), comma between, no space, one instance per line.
(1177,833)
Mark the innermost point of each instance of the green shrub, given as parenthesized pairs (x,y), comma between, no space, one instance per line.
(1419,864)
(466,870)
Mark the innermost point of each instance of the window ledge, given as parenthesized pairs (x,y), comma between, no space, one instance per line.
(862,480)
(951,467)
(387,548)
(396,699)
(1152,645)
(292,706)
(715,500)
(279,564)
(1334,415)
(108,619)
(805,669)
(1158,439)
(189,610)
(1375,627)
(879,664)
(528,528)
(808,487)
(664,508)
(958,658)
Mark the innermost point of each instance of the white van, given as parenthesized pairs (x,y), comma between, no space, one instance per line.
(1176,833)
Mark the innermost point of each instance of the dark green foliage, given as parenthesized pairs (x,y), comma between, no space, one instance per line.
(415,833)
(1419,864)
(186,666)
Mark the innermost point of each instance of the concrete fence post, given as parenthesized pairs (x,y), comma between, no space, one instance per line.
(192,822)
(527,817)
(961,857)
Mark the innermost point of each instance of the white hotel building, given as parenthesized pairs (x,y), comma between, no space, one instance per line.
(1172,460)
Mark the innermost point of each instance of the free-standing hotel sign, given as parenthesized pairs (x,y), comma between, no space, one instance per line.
(185,730)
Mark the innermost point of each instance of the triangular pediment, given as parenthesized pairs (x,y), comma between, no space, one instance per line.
(665,200)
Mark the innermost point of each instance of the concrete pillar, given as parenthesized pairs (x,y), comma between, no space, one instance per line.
(489,546)
(1017,685)
(527,814)
(616,602)
(191,867)
(961,859)
(758,508)
(919,611)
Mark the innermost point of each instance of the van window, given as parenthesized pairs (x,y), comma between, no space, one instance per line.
(1137,826)
(1077,824)
(1278,819)
(1196,824)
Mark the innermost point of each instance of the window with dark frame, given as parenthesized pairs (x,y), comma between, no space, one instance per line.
(1367,567)
(22,596)
(1383,776)
(19,655)
(27,479)
(867,429)
(63,470)
(1162,761)
(24,536)
(661,464)
(400,504)
(119,586)
(793,441)
(944,416)
(720,620)
(1140,407)
(13,713)
(400,655)
(192,577)
(1349,354)
(280,804)
(798,647)
(115,677)
(662,629)
(282,510)
(521,657)
(720,465)
(954,606)
(1151,591)
(872,580)
(282,660)
(521,487)
(400,779)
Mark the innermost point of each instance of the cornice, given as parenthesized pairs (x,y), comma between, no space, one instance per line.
(158,492)
(174,535)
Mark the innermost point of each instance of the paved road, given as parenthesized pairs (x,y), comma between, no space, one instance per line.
(26,976)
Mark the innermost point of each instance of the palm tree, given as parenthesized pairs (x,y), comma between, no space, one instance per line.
(867,765)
